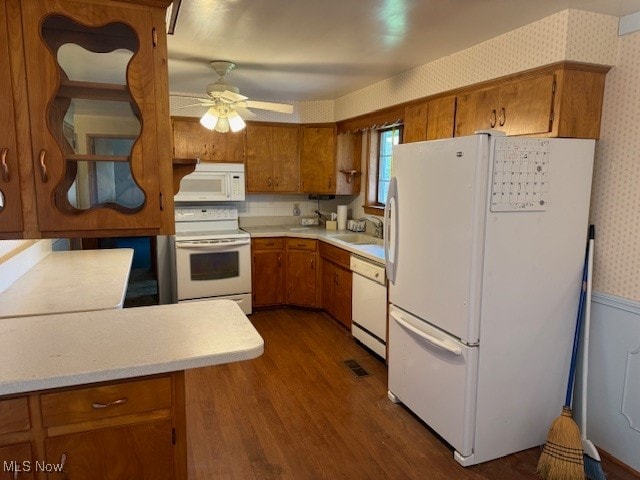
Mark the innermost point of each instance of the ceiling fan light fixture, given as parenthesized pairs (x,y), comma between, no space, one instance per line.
(222,125)
(210,119)
(236,123)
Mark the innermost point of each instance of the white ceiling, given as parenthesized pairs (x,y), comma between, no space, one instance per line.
(297,50)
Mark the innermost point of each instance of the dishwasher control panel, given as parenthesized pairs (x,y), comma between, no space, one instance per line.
(368,270)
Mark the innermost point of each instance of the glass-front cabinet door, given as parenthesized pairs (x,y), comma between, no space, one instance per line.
(93,120)
(10,205)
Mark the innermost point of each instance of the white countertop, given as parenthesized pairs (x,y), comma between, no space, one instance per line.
(70,281)
(43,352)
(371,252)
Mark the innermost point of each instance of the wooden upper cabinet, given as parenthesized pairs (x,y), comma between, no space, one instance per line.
(524,107)
(192,140)
(415,123)
(318,159)
(348,163)
(429,120)
(99,159)
(272,158)
(441,116)
(564,100)
(10,202)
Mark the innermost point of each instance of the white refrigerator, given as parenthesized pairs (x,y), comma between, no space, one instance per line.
(484,245)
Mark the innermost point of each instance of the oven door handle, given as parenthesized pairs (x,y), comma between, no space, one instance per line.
(211,246)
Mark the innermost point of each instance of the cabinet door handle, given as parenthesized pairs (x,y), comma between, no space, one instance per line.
(276,181)
(330,179)
(43,166)
(279,260)
(312,264)
(269,181)
(335,279)
(492,120)
(5,168)
(503,116)
(98,406)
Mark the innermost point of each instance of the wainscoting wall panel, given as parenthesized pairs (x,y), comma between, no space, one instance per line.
(614,377)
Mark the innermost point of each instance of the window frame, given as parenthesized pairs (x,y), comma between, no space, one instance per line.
(372,205)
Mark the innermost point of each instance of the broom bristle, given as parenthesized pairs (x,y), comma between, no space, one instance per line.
(561,457)
(593,468)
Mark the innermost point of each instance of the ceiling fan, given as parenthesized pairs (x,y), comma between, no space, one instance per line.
(225,103)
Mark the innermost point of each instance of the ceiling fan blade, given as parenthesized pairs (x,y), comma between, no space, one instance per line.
(245,113)
(197,105)
(276,107)
(232,96)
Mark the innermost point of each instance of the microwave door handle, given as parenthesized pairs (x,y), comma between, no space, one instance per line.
(211,246)
(443,344)
(228,186)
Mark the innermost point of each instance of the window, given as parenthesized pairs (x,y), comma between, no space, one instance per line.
(387,139)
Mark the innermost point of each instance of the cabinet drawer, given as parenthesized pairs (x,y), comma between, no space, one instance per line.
(335,254)
(307,244)
(267,243)
(95,403)
(14,415)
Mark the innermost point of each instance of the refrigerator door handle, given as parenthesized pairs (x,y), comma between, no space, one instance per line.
(391,235)
(425,336)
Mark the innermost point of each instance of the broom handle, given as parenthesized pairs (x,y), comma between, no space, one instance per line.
(587,326)
(576,335)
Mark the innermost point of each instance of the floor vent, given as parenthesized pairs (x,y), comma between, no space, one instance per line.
(356,368)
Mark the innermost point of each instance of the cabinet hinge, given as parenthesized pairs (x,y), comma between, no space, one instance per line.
(173,436)
(161,202)
(154,36)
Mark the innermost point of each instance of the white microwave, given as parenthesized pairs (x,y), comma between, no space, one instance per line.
(213,182)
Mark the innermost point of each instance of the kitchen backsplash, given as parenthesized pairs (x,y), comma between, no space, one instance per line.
(272,205)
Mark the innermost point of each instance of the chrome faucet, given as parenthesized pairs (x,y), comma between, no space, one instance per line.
(378,225)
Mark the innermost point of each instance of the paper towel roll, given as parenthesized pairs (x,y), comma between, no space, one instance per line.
(342,217)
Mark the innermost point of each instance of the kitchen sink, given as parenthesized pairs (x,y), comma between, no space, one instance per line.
(357,239)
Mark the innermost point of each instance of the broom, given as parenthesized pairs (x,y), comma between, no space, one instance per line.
(562,455)
(592,467)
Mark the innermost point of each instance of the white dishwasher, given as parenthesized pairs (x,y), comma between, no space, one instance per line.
(369,305)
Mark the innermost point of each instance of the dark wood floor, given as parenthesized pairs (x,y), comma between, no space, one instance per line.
(298,412)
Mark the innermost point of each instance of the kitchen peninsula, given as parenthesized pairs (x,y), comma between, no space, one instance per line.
(101,393)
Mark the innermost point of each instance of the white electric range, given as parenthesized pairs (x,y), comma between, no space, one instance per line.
(212,255)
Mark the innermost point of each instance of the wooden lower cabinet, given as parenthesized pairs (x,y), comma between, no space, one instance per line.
(136,451)
(336,283)
(268,257)
(16,462)
(302,278)
(126,429)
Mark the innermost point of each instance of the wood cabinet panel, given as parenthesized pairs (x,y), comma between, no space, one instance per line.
(578,104)
(441,117)
(336,291)
(317,159)
(267,243)
(307,244)
(14,415)
(11,210)
(192,140)
(17,462)
(272,158)
(95,403)
(301,277)
(336,255)
(415,123)
(525,107)
(143,451)
(286,163)
(268,278)
(348,163)
(259,166)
